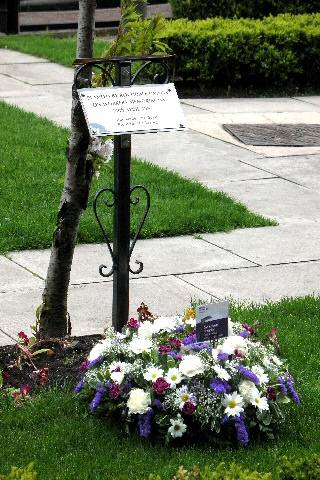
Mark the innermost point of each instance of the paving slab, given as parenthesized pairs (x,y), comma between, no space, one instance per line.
(198,157)
(90,306)
(14,278)
(8,57)
(43,105)
(260,284)
(9,87)
(277,198)
(43,73)
(272,245)
(304,170)
(250,105)
(163,256)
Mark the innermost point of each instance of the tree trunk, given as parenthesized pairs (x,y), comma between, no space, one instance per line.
(53,313)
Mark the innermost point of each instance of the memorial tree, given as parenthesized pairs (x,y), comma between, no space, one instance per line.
(53,319)
(53,314)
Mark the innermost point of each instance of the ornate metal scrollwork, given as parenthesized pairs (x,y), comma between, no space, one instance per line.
(135,201)
(108,203)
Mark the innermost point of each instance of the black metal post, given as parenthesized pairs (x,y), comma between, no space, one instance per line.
(121,224)
(9,16)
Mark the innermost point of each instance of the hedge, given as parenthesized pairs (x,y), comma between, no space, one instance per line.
(277,51)
(287,469)
(197,9)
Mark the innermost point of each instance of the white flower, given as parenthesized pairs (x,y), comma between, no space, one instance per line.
(183,396)
(117,377)
(233,343)
(248,390)
(177,428)
(233,403)
(191,321)
(260,402)
(138,401)
(165,323)
(99,349)
(104,150)
(221,373)
(153,373)
(173,377)
(276,360)
(122,366)
(146,329)
(191,366)
(140,345)
(263,377)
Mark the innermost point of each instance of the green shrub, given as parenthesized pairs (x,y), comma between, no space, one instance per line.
(278,51)
(233,472)
(301,469)
(197,9)
(27,473)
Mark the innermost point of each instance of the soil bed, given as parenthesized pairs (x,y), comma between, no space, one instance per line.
(63,364)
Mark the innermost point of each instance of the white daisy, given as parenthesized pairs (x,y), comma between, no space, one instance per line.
(260,402)
(233,403)
(183,396)
(173,377)
(177,428)
(153,373)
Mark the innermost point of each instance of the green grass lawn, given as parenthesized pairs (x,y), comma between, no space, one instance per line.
(55,49)
(66,442)
(31,179)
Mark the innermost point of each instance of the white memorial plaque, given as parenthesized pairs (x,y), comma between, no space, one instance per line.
(135,109)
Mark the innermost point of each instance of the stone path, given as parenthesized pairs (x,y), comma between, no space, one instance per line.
(249,264)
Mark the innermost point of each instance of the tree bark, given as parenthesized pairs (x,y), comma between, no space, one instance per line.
(53,315)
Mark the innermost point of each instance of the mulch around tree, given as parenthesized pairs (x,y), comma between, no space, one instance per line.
(63,363)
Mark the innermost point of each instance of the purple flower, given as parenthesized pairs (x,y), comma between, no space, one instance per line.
(180,329)
(144,423)
(225,420)
(222,357)
(220,386)
(114,391)
(249,328)
(156,403)
(244,334)
(79,386)
(160,385)
(133,323)
(198,346)
(282,385)
(189,339)
(95,362)
(163,349)
(97,398)
(271,393)
(189,408)
(295,397)
(242,433)
(248,374)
